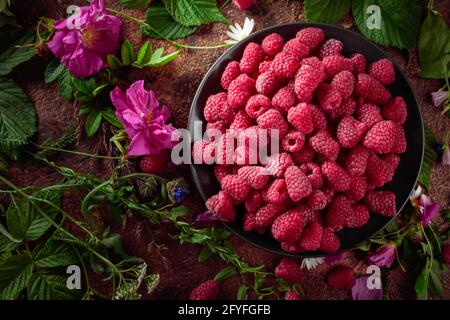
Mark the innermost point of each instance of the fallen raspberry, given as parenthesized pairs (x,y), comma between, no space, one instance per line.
(380,137)
(221,206)
(288,226)
(305,155)
(266,215)
(360,216)
(324,144)
(313,173)
(371,89)
(254,201)
(317,200)
(395,110)
(358,187)
(339,212)
(378,171)
(293,141)
(272,44)
(257,105)
(399,145)
(217,108)
(330,242)
(154,163)
(243,4)
(307,80)
(296,48)
(311,237)
(289,270)
(358,62)
(284,99)
(350,132)
(254,176)
(297,183)
(331,47)
(383,70)
(336,176)
(381,202)
(231,72)
(278,163)
(344,82)
(342,278)
(370,114)
(284,65)
(291,295)
(267,82)
(207,290)
(335,64)
(276,192)
(251,58)
(240,90)
(312,37)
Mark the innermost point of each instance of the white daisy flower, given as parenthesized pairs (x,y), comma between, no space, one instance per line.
(311,263)
(239,33)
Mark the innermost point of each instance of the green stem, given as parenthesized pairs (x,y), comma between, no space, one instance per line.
(77,152)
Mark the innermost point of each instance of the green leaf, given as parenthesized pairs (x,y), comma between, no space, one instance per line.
(127,53)
(205,254)
(134,4)
(194,12)
(326,11)
(436,285)
(421,286)
(7,245)
(65,84)
(53,70)
(4,168)
(178,212)
(110,116)
(113,62)
(93,122)
(144,54)
(85,87)
(114,243)
(434,46)
(225,273)
(17,118)
(242,292)
(160,20)
(50,287)
(428,158)
(400,21)
(54,254)
(15,273)
(157,59)
(16,55)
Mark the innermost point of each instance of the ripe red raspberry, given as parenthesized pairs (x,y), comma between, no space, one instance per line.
(276,192)
(316,64)
(317,200)
(378,171)
(370,114)
(284,99)
(383,70)
(254,176)
(359,63)
(288,226)
(324,144)
(335,64)
(342,278)
(207,290)
(284,65)
(266,83)
(399,145)
(251,58)
(380,138)
(257,105)
(330,242)
(301,118)
(336,176)
(289,270)
(217,108)
(371,89)
(305,155)
(154,163)
(360,216)
(297,183)
(314,174)
(241,121)
(277,164)
(446,254)
(273,119)
(381,202)
(293,141)
(350,132)
(267,214)
(249,222)
(331,47)
(329,98)
(254,201)
(220,171)
(231,72)
(221,206)
(311,236)
(339,212)
(291,295)
(235,187)
(200,151)
(395,110)
(391,159)
(329,193)
(292,247)
(344,82)
(272,44)
(222,150)
(264,66)
(306,82)
(319,119)
(358,188)
(296,48)
(346,108)
(253,136)
(311,36)
(242,156)
(240,90)
(243,4)
(215,129)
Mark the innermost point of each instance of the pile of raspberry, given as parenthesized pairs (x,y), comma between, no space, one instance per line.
(340,133)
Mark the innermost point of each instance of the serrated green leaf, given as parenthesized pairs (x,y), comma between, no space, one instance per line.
(225,273)
(17,53)
(15,273)
(54,254)
(134,4)
(6,245)
(326,11)
(428,158)
(110,116)
(53,70)
(85,86)
(50,287)
(159,19)
(400,21)
(158,59)
(65,84)
(194,12)
(93,122)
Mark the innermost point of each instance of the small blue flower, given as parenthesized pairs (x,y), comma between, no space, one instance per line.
(179,194)
(439,149)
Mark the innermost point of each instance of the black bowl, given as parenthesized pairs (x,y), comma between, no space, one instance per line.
(405,176)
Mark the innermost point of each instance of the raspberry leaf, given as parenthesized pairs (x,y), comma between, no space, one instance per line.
(399,21)
(428,158)
(134,4)
(225,273)
(17,53)
(50,287)
(327,11)
(160,20)
(15,274)
(194,12)
(53,70)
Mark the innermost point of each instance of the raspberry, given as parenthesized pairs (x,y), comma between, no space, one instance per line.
(360,216)
(395,110)
(276,192)
(314,174)
(346,108)
(391,159)
(291,295)
(292,247)
(249,222)
(383,70)
(446,254)
(154,163)
(306,154)
(254,176)
(339,212)
(293,141)
(267,214)
(370,114)
(273,119)
(335,64)
(207,290)
(318,118)
(381,202)
(329,98)
(371,89)
(317,200)
(359,63)
(198,151)
(231,72)
(266,83)
(316,64)
(297,183)
(215,129)
(330,243)
(242,156)
(358,188)
(311,36)
(278,163)
(284,65)
(241,121)
(264,66)
(243,4)
(217,108)
(311,236)
(296,48)
(324,144)
(380,137)
(251,58)
(240,90)
(379,171)
(330,47)
(284,99)
(301,118)
(254,201)
(220,171)
(350,132)
(307,80)
(329,193)
(272,44)
(257,105)
(336,176)
(344,82)
(223,150)
(307,213)
(235,187)
(342,278)
(399,145)
(221,206)
(288,226)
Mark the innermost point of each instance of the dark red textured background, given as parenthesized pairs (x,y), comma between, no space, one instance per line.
(175,85)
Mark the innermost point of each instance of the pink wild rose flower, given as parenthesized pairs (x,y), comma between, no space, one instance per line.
(83,40)
(144,120)
(384,256)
